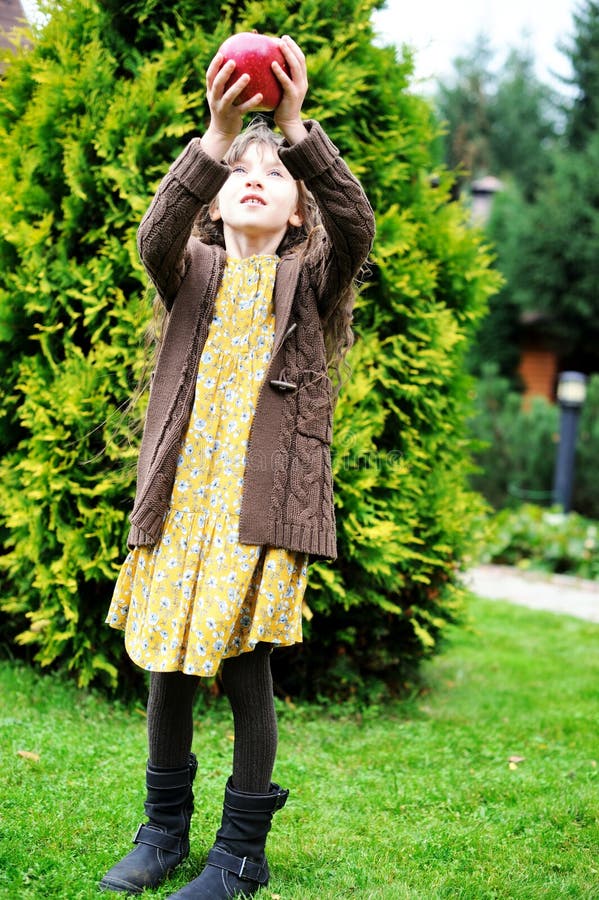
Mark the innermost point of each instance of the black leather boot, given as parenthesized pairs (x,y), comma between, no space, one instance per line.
(236,864)
(163,842)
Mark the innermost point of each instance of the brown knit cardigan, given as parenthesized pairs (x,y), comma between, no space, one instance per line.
(287,498)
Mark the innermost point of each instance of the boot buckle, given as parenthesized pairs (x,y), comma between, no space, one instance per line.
(281,798)
(243,867)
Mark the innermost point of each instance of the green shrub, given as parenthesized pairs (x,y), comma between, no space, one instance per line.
(518,445)
(88,125)
(586,484)
(533,537)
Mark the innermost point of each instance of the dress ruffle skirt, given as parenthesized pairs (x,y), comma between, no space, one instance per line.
(199,596)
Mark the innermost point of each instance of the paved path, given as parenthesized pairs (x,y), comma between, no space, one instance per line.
(556,593)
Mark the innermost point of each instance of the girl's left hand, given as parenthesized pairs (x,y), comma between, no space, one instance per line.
(287,115)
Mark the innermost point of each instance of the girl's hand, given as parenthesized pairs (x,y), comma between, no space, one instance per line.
(287,115)
(226,119)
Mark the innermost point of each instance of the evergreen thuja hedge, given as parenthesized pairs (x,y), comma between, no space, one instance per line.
(90,118)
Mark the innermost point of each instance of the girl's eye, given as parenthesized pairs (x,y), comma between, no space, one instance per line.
(275,172)
(238,168)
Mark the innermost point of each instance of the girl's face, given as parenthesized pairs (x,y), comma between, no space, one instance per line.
(258,201)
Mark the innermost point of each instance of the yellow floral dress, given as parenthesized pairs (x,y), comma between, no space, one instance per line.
(199,596)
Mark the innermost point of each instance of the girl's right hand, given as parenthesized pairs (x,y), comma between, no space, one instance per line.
(225,116)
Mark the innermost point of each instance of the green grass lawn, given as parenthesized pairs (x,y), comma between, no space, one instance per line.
(417,799)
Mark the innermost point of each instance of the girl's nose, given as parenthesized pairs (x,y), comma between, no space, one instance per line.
(254,178)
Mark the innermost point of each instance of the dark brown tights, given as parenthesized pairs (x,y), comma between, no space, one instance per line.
(247,682)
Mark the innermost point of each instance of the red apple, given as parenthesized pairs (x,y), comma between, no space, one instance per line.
(253,54)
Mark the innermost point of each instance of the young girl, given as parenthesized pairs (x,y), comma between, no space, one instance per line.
(254,242)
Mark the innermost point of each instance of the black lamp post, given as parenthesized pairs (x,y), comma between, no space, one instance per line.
(571,391)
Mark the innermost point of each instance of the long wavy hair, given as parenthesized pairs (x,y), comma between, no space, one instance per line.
(304,239)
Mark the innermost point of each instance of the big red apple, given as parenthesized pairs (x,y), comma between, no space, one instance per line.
(253,54)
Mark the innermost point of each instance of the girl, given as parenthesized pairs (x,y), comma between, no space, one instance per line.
(234,487)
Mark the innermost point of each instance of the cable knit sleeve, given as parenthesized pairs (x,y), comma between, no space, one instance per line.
(193,180)
(346,213)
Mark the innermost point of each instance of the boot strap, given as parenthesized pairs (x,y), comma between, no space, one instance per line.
(159,839)
(243,867)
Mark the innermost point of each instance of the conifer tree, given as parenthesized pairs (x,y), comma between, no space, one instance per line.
(90,118)
(499,121)
(547,248)
(583,52)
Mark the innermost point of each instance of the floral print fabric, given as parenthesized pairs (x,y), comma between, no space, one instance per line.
(199,596)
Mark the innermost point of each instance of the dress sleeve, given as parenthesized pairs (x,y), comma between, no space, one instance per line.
(192,181)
